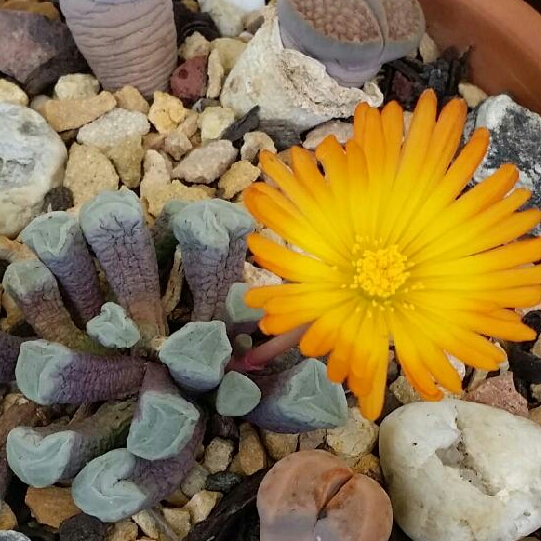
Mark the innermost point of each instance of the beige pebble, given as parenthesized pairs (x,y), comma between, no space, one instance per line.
(127,157)
(176,144)
(312,439)
(255,276)
(177,498)
(341,130)
(38,103)
(123,531)
(128,97)
(180,520)
(12,93)
(472,94)
(166,112)
(195,481)
(213,121)
(428,49)
(229,50)
(215,73)
(190,123)
(368,465)
(69,114)
(147,522)
(279,445)
(235,466)
(202,504)
(194,45)
(251,451)
(8,520)
(403,391)
(88,172)
(254,142)
(51,505)
(154,141)
(238,177)
(76,86)
(357,437)
(218,455)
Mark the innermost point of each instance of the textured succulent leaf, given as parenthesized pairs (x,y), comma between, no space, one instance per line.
(113,328)
(164,421)
(237,395)
(50,373)
(212,238)
(35,290)
(117,485)
(196,355)
(114,226)
(238,317)
(58,241)
(299,399)
(44,456)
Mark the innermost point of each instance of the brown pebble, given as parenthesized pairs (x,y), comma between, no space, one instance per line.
(51,505)
(252,454)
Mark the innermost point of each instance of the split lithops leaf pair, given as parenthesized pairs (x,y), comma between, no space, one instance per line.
(148,420)
(352,38)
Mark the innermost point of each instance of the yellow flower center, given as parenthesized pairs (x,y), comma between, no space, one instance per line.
(379,272)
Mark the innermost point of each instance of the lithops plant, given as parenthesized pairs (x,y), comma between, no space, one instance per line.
(353,38)
(150,391)
(125,41)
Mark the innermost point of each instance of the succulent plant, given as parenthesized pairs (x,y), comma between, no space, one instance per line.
(151,391)
(352,38)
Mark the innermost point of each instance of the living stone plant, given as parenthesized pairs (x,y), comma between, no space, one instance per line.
(93,297)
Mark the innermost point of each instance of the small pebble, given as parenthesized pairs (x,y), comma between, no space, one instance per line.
(204,165)
(38,103)
(472,94)
(499,392)
(256,276)
(428,49)
(177,498)
(218,455)
(194,45)
(8,520)
(179,519)
(252,454)
(368,465)
(127,157)
(341,130)
(124,531)
(76,86)
(128,97)
(166,112)
(177,143)
(82,527)
(357,437)
(223,481)
(68,114)
(312,440)
(279,445)
(113,127)
(189,80)
(535,415)
(202,504)
(213,121)
(215,74)
(235,466)
(147,522)
(11,93)
(403,391)
(253,143)
(88,172)
(237,178)
(51,505)
(229,50)
(195,481)
(10,535)
(246,123)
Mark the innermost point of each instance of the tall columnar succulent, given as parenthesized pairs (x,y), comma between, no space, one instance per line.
(141,441)
(353,38)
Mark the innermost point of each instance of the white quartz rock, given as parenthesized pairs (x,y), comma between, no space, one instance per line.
(32,159)
(462,471)
(299,92)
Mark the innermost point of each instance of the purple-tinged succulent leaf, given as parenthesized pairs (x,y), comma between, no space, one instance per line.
(165,242)
(299,399)
(164,422)
(43,456)
(58,241)
(118,484)
(352,38)
(113,328)
(114,226)
(9,352)
(35,291)
(196,355)
(212,238)
(240,318)
(313,495)
(237,395)
(50,373)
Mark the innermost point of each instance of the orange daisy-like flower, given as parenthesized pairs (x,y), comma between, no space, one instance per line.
(391,250)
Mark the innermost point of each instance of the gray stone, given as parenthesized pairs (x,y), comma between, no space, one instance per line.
(11,535)
(515,134)
(462,471)
(32,158)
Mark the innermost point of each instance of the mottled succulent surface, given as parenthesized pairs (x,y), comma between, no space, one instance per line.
(237,395)
(113,328)
(352,38)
